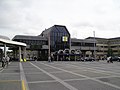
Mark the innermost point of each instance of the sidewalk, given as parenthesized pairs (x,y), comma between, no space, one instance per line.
(10,77)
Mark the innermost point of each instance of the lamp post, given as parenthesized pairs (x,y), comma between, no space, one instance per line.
(49,54)
(94,46)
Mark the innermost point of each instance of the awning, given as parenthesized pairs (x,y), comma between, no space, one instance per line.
(12,42)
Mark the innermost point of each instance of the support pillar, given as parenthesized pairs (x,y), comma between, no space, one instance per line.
(5,53)
(20,54)
(49,52)
(24,53)
(84,54)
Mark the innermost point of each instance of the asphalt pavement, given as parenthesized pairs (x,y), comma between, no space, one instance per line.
(61,75)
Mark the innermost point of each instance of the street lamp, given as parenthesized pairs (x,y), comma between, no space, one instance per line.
(94,46)
(49,54)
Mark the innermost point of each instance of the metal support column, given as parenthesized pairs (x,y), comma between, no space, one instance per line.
(94,46)
(5,53)
(20,53)
(49,52)
(24,53)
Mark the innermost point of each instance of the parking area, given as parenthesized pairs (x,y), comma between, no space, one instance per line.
(60,75)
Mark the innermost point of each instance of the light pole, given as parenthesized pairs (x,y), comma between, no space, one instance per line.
(94,46)
(49,54)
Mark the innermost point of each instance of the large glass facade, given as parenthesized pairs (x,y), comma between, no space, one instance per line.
(56,38)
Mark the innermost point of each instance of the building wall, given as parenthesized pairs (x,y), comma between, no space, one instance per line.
(39,45)
(104,45)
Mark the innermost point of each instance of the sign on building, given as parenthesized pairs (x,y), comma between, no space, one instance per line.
(64,38)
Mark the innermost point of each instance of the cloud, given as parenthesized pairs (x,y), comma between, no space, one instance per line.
(82,16)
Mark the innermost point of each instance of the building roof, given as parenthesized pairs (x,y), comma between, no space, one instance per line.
(29,37)
(118,38)
(83,40)
(46,32)
(95,38)
(10,42)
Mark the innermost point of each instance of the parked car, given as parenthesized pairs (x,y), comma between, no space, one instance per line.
(60,52)
(89,59)
(115,58)
(66,51)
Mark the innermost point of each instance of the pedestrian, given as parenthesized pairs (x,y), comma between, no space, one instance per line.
(7,60)
(3,62)
(109,60)
(49,59)
(35,58)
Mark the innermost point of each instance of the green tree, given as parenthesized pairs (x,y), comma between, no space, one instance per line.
(110,52)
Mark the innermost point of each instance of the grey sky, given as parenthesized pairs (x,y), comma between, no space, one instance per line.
(81,17)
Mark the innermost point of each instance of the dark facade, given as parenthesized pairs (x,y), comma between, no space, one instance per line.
(58,36)
(1,55)
(33,42)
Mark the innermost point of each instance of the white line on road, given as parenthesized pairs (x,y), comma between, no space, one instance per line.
(94,79)
(95,70)
(22,76)
(43,81)
(1,70)
(57,79)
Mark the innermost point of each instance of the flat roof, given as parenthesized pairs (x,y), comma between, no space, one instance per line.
(25,37)
(83,40)
(12,42)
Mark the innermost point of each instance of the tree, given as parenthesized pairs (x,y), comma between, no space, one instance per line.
(110,52)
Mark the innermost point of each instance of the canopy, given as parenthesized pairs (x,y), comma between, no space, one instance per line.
(12,42)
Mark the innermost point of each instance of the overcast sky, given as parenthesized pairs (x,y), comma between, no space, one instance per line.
(81,17)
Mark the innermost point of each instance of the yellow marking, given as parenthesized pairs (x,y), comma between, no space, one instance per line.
(21,60)
(23,85)
(24,60)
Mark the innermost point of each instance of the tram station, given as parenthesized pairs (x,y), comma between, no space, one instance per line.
(56,41)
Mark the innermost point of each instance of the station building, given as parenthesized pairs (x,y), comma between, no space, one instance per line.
(52,40)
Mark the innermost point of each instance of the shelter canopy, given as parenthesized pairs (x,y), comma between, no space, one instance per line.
(10,42)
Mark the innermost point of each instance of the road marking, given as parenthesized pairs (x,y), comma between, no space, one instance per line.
(23,78)
(1,81)
(43,81)
(57,79)
(76,79)
(94,79)
(95,70)
(9,73)
(23,85)
(1,70)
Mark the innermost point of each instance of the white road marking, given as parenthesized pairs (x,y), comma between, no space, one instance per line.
(1,70)
(57,79)
(96,70)
(43,81)
(94,79)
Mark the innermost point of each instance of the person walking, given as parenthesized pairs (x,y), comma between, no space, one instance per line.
(3,62)
(7,60)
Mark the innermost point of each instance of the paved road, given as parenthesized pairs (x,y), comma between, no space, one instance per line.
(61,76)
